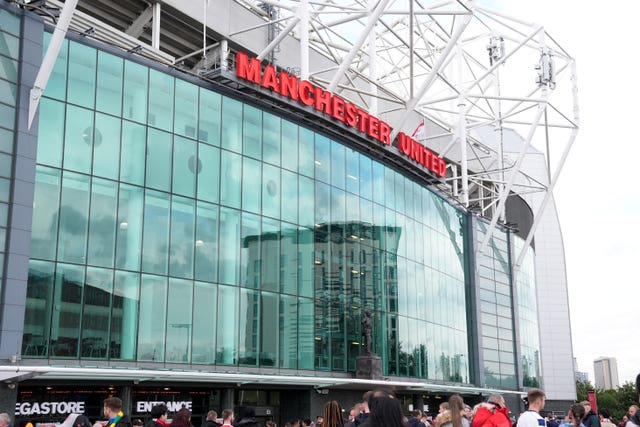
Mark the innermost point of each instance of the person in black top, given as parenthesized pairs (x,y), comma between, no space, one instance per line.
(211,420)
(113,410)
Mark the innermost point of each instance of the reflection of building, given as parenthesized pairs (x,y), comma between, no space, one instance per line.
(171,230)
(606,373)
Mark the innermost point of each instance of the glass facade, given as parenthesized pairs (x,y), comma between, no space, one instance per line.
(175,224)
(528,317)
(9,56)
(495,299)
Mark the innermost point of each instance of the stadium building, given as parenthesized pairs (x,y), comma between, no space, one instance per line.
(273,204)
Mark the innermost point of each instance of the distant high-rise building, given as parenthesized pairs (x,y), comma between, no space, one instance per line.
(606,373)
(579,375)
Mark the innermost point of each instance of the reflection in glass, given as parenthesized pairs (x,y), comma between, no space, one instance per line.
(161,100)
(182,245)
(37,317)
(109,84)
(209,124)
(179,321)
(248,331)
(51,124)
(133,153)
(106,147)
(129,227)
(226,344)
(96,314)
(206,242)
(66,319)
(124,316)
(186,111)
(78,139)
(82,75)
(44,228)
(102,223)
(155,246)
(152,316)
(74,212)
(134,104)
(204,323)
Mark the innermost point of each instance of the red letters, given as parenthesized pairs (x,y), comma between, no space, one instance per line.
(332,105)
(306,93)
(338,108)
(269,80)
(323,100)
(247,71)
(421,154)
(289,85)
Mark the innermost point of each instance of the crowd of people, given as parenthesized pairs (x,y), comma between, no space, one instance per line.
(379,408)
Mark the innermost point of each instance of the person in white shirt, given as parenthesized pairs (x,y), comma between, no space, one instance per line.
(532,418)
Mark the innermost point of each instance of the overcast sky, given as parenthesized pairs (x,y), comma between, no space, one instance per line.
(597,196)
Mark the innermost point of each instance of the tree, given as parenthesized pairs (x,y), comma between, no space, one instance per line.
(617,401)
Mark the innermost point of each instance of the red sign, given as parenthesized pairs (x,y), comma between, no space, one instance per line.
(591,397)
(332,105)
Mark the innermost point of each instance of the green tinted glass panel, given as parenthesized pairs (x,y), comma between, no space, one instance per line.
(133,153)
(124,322)
(271,139)
(9,45)
(161,87)
(230,179)
(82,75)
(78,139)
(289,146)
(66,318)
(338,165)
(230,243)
(38,309)
(182,245)
(5,165)
(155,248)
(9,22)
(206,242)
(231,124)
(352,171)
(109,84)
(270,258)
(57,84)
(288,329)
(209,119)
(3,238)
(159,153)
(5,189)
(6,139)
(306,262)
(306,337)
(249,328)
(3,214)
(271,191)
(74,213)
(106,146)
(96,313)
(252,132)
(205,302)
(8,91)
(186,166)
(251,178)
(44,228)
(305,200)
(322,158)
(129,227)
(250,252)
(289,259)
(152,318)
(306,152)
(226,343)
(102,223)
(179,321)
(186,115)
(7,116)
(134,103)
(209,173)
(269,329)
(289,196)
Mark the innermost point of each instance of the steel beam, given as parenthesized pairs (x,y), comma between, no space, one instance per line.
(137,27)
(42,78)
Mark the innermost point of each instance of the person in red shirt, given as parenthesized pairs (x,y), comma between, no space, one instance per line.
(493,413)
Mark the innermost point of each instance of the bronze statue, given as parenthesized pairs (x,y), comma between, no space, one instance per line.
(366,331)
